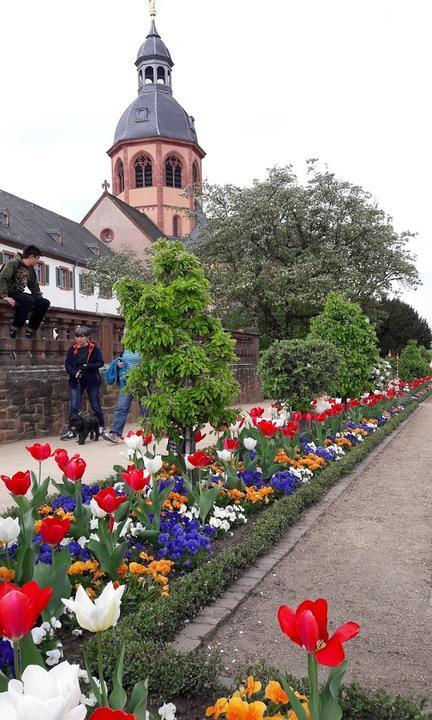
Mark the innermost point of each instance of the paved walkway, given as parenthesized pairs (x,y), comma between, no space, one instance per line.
(100,457)
(370,554)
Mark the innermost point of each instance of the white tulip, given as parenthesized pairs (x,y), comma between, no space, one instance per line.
(167,711)
(51,695)
(96,510)
(9,530)
(134,442)
(224,455)
(249,443)
(99,615)
(153,465)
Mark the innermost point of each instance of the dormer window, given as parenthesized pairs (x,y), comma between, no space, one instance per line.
(6,217)
(57,235)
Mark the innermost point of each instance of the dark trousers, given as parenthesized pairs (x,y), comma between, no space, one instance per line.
(26,303)
(93,395)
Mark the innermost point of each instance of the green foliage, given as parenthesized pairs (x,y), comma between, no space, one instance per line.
(343,324)
(273,251)
(296,371)
(397,323)
(107,270)
(413,362)
(185,376)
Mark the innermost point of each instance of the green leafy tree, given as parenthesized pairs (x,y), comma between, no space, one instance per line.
(107,270)
(413,362)
(296,371)
(185,376)
(343,324)
(399,323)
(273,251)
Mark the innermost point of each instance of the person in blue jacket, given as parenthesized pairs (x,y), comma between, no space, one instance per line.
(116,373)
(83,361)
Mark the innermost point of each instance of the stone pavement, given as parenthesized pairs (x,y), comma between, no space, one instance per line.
(367,548)
(100,457)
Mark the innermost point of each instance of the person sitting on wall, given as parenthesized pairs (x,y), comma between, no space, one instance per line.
(15,276)
(83,361)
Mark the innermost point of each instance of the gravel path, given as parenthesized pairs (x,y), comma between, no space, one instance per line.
(370,556)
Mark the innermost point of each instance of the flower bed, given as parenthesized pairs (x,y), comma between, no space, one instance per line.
(156,532)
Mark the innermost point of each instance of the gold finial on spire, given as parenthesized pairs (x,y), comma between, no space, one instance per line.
(152,8)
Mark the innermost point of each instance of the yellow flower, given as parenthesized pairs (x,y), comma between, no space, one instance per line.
(136,568)
(238,709)
(45,510)
(275,693)
(37,526)
(77,568)
(6,574)
(252,686)
(216,709)
(122,569)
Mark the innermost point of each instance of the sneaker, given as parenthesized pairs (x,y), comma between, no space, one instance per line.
(68,435)
(29,333)
(13,332)
(111,437)
(101,430)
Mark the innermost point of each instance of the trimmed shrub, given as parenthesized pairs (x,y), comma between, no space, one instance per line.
(296,371)
(343,324)
(413,362)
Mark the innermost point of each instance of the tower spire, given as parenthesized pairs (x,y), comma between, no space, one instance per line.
(152,9)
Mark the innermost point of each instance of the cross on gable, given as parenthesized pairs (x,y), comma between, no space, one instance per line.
(105,185)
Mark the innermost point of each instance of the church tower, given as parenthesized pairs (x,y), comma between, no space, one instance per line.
(156,154)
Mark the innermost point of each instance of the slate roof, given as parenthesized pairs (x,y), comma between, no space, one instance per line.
(153,46)
(155,113)
(35,225)
(139,218)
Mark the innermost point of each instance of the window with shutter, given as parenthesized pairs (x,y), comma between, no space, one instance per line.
(57,277)
(71,279)
(46,274)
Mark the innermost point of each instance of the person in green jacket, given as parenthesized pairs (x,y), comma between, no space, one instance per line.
(15,276)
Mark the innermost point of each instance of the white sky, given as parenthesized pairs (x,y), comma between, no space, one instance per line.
(275,82)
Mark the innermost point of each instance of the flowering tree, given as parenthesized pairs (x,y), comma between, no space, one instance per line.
(185,376)
(343,324)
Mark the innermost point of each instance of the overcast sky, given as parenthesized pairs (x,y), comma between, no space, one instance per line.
(275,82)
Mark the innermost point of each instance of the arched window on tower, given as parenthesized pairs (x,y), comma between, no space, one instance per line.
(161,75)
(140,78)
(143,172)
(173,172)
(119,178)
(149,76)
(176,226)
(195,173)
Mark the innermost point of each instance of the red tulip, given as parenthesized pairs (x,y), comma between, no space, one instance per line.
(353,403)
(75,468)
(147,439)
(136,478)
(308,417)
(108,500)
(307,627)
(296,416)
(54,530)
(289,432)
(19,483)
(267,428)
(40,452)
(321,417)
(62,458)
(21,607)
(198,436)
(256,412)
(199,459)
(231,445)
(105,713)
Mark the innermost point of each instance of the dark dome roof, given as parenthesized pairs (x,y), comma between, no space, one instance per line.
(153,46)
(155,113)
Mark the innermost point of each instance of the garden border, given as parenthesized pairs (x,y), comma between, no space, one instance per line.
(152,626)
(208,620)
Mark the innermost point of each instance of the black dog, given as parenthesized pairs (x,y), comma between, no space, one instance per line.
(85,425)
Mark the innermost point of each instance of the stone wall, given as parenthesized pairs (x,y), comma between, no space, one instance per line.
(34,401)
